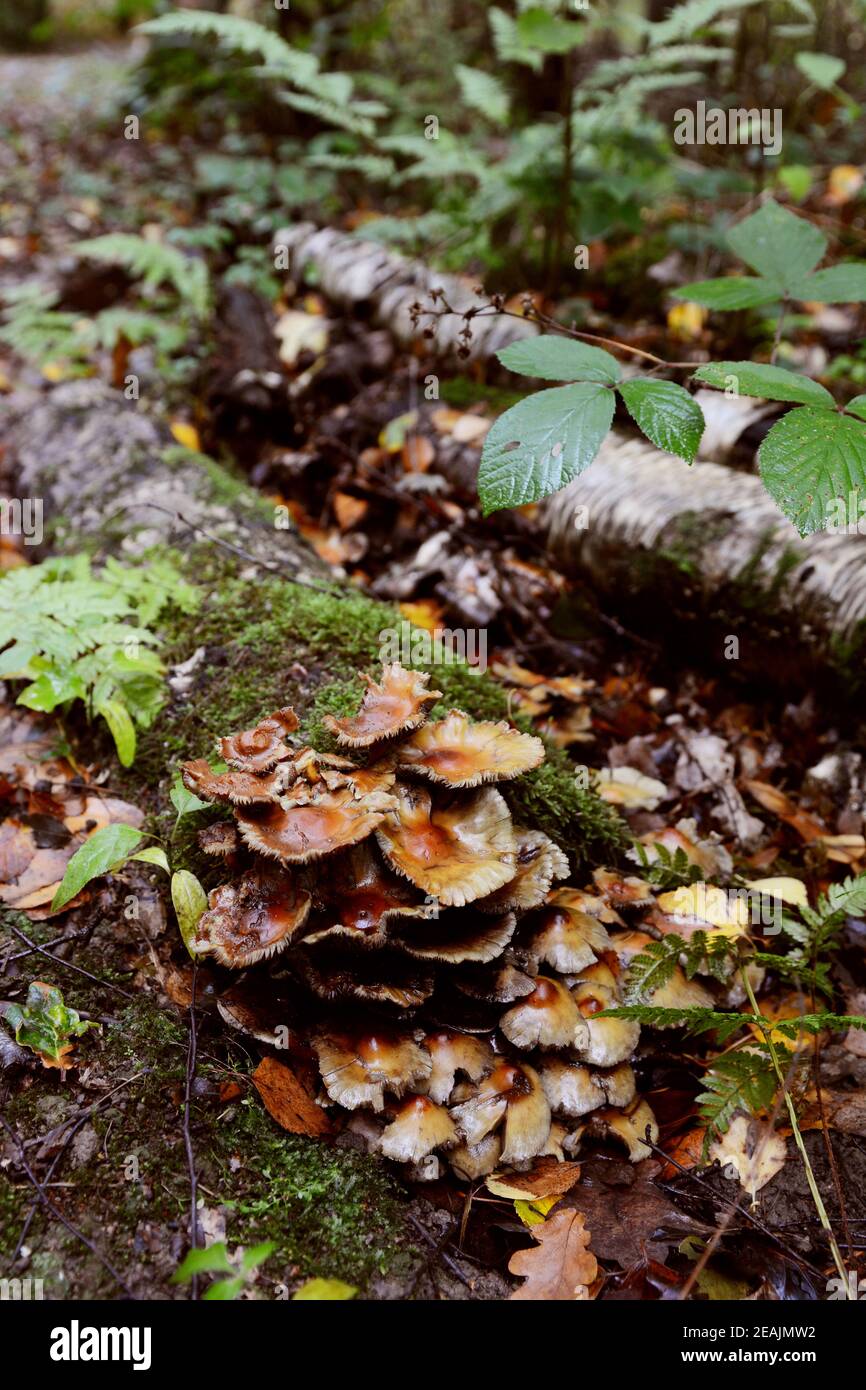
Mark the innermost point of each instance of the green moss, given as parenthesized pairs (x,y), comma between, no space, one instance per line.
(331,1211)
(277,643)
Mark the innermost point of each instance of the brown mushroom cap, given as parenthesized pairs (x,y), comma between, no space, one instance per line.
(610,1040)
(456,852)
(473,1161)
(390,707)
(220,840)
(419,1127)
(359,1068)
(574,1090)
(624,892)
(251,918)
(629,1126)
(459,935)
(567,939)
(261,748)
(462,754)
(497,984)
(335,972)
(548,1017)
(452,1053)
(539,862)
(514,1092)
(360,898)
(330,821)
(241,788)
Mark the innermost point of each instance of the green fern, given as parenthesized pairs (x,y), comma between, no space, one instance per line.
(654,966)
(667,870)
(153,262)
(73,634)
(738,1081)
(694,1020)
(240,35)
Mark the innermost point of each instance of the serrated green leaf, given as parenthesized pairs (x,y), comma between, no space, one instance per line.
(813,463)
(190,901)
(556,358)
(328,1290)
(730,292)
(541,444)
(844,283)
(822,69)
(743,1080)
(666,413)
(778,244)
(857,406)
(106,848)
(153,855)
(769,383)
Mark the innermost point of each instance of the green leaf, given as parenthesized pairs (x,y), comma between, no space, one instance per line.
(483,93)
(117,717)
(538,28)
(223,1290)
(256,1255)
(51,689)
(324,1290)
(796,179)
(667,414)
(730,292)
(822,69)
(44,1023)
(153,855)
(556,358)
(857,406)
(770,383)
(107,848)
(844,283)
(778,244)
(541,444)
(183,801)
(190,901)
(211,1259)
(813,464)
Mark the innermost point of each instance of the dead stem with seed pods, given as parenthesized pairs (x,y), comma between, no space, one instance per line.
(449,989)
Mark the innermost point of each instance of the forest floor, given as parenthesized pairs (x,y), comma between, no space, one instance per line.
(757,782)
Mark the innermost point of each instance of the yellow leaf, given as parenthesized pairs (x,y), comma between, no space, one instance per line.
(790,890)
(844,183)
(324,1289)
(687,320)
(533,1213)
(187,435)
(728,913)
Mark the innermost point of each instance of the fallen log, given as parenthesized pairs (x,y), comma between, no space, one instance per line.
(675,543)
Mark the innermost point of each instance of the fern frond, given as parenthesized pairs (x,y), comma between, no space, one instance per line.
(694,1020)
(154,262)
(240,35)
(738,1081)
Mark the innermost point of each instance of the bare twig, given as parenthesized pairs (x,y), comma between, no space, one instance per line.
(67,964)
(72,1229)
(187,1136)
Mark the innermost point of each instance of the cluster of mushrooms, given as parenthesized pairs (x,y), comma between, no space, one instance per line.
(448,990)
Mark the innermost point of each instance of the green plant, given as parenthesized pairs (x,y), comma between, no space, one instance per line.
(548,439)
(783,249)
(78,634)
(46,1025)
(214,1259)
(155,263)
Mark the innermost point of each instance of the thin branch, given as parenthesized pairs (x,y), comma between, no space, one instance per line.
(73,1230)
(187,1136)
(68,964)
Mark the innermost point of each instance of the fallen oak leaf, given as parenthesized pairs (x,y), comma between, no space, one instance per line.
(287,1101)
(560,1266)
(546,1178)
